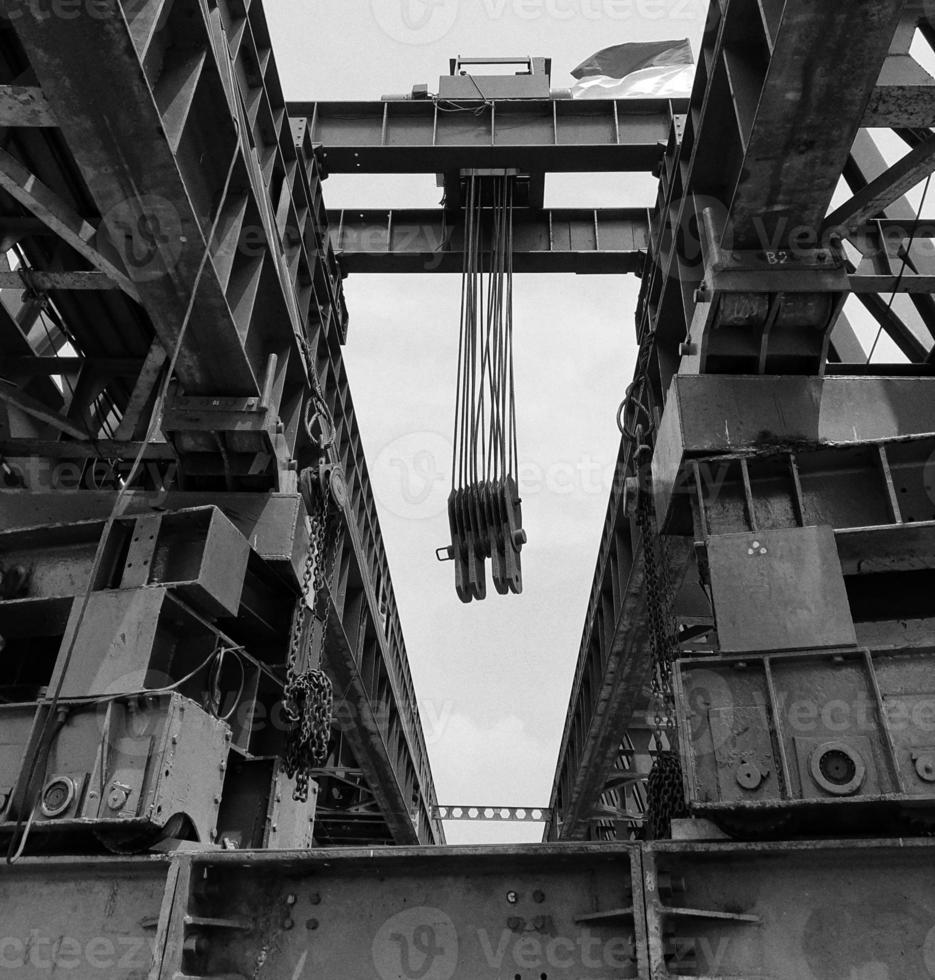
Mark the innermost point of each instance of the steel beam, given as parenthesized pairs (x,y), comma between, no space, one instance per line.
(53,212)
(882,191)
(24,105)
(123,152)
(47,281)
(580,240)
(806,118)
(533,134)
(910,321)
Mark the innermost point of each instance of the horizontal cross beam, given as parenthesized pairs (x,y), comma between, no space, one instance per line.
(509,814)
(432,240)
(540,135)
(579,240)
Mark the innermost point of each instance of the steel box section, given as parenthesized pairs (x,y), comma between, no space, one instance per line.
(131,765)
(82,917)
(444,913)
(258,809)
(198,553)
(756,731)
(272,523)
(130,640)
(705,415)
(791,911)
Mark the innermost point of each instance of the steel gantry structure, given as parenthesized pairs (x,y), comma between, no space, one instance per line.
(174,409)
(742,234)
(191,563)
(750,371)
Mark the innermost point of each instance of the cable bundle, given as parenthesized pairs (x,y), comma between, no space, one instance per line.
(484,506)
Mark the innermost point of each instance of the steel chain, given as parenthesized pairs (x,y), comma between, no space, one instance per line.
(664,790)
(308,697)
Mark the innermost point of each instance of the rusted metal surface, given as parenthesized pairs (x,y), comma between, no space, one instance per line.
(422,137)
(175,174)
(719,910)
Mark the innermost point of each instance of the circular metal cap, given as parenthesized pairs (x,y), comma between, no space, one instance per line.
(925,767)
(57,797)
(748,775)
(837,768)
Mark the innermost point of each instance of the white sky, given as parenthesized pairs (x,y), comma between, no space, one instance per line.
(493,678)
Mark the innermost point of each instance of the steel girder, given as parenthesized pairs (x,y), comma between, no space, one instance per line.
(649,912)
(556,240)
(765,170)
(177,125)
(532,134)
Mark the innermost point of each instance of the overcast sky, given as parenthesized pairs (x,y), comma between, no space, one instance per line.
(493,678)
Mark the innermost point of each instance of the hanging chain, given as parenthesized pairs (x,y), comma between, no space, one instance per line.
(661,623)
(664,790)
(308,697)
